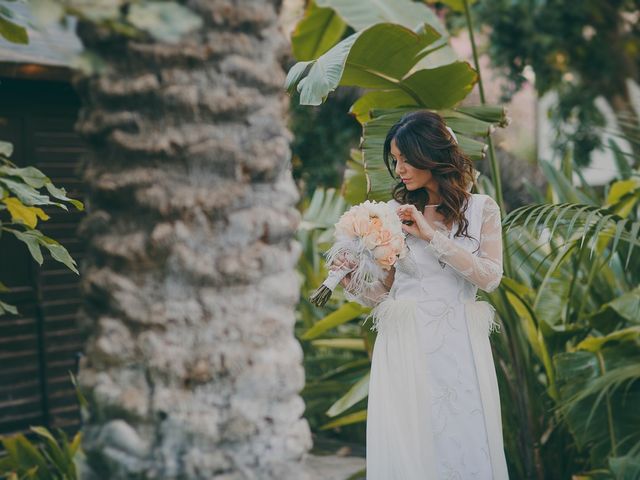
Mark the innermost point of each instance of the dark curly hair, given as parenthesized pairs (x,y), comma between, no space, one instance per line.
(425,142)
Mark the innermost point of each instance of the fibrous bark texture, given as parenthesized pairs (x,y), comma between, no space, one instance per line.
(192,369)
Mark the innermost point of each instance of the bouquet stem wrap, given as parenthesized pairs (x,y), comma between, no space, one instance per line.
(323,293)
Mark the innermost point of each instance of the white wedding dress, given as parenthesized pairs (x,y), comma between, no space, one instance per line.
(434,407)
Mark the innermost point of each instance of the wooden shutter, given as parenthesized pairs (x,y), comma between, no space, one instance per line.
(39,347)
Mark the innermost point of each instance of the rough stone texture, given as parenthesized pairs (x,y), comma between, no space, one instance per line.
(192,369)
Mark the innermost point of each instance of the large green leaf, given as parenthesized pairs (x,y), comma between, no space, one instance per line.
(357,392)
(379,99)
(623,196)
(341,343)
(551,296)
(315,79)
(355,184)
(598,386)
(410,14)
(534,334)
(355,417)
(319,30)
(345,313)
(383,56)
(469,120)
(457,5)
(487,113)
(377,57)
(440,87)
(365,13)
(436,88)
(626,307)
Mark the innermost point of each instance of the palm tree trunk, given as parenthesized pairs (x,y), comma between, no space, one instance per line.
(192,369)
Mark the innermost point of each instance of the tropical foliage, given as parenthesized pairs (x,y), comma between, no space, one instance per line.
(402,59)
(567,358)
(322,138)
(582,50)
(50,458)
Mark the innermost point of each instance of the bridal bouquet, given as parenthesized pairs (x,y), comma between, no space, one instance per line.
(370,236)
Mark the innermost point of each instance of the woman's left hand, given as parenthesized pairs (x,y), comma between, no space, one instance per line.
(420,227)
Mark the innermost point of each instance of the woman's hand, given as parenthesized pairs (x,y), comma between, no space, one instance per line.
(419,227)
(342,262)
(389,278)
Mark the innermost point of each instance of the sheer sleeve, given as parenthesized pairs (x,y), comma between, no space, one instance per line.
(371,297)
(485,269)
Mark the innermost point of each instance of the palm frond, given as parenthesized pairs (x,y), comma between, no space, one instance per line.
(324,210)
(576,221)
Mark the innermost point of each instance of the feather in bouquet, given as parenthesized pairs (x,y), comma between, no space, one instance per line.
(370,236)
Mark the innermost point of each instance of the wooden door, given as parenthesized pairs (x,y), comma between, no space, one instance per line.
(39,347)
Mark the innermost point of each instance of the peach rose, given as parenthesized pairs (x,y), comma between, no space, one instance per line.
(385,256)
(354,223)
(384,237)
(371,240)
(345,225)
(361,226)
(397,243)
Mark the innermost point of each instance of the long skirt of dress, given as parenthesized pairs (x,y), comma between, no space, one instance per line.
(433,408)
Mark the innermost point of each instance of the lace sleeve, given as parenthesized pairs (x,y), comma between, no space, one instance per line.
(485,269)
(371,297)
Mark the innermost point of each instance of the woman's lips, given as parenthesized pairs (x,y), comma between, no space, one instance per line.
(405,180)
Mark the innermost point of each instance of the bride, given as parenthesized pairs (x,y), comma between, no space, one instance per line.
(434,409)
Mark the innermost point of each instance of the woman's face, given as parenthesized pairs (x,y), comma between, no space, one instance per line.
(412,177)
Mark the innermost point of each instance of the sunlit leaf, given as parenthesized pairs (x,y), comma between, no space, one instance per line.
(357,392)
(24,214)
(61,194)
(13,32)
(6,308)
(317,32)
(345,313)
(356,417)
(30,175)
(6,149)
(341,343)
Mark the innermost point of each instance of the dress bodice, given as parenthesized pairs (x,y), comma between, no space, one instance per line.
(449,269)
(424,276)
